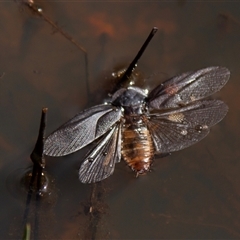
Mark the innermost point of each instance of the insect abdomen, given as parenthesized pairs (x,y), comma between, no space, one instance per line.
(137,147)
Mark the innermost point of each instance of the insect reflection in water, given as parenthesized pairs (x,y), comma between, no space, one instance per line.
(135,125)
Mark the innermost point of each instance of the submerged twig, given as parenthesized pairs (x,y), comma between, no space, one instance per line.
(27,232)
(2,75)
(230,17)
(95,209)
(33,7)
(37,182)
(37,156)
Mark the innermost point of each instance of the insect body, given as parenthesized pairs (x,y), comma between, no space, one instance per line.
(137,144)
(136,126)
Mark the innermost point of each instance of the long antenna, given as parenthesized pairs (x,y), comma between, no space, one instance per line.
(133,64)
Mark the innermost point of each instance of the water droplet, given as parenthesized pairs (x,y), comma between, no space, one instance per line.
(44,183)
(212,89)
(146,91)
(199,128)
(192,97)
(90,159)
(184,132)
(222,83)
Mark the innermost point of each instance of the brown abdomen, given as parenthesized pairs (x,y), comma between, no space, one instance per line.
(137,147)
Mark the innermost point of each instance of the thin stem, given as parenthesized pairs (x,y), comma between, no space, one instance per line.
(133,64)
(38,11)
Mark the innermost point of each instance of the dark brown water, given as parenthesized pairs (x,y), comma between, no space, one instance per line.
(193,193)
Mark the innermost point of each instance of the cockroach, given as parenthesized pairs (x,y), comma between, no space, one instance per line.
(135,125)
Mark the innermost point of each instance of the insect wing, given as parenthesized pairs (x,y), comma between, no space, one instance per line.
(180,128)
(188,87)
(81,130)
(100,162)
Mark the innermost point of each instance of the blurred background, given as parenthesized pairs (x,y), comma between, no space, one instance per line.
(193,193)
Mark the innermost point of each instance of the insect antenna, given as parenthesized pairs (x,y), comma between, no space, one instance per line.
(132,66)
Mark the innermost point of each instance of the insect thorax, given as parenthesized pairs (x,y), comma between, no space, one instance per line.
(129,97)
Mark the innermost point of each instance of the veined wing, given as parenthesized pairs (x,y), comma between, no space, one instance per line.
(177,129)
(188,87)
(81,130)
(100,161)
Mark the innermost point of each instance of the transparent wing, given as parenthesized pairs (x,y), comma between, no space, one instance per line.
(180,128)
(188,87)
(100,162)
(81,130)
